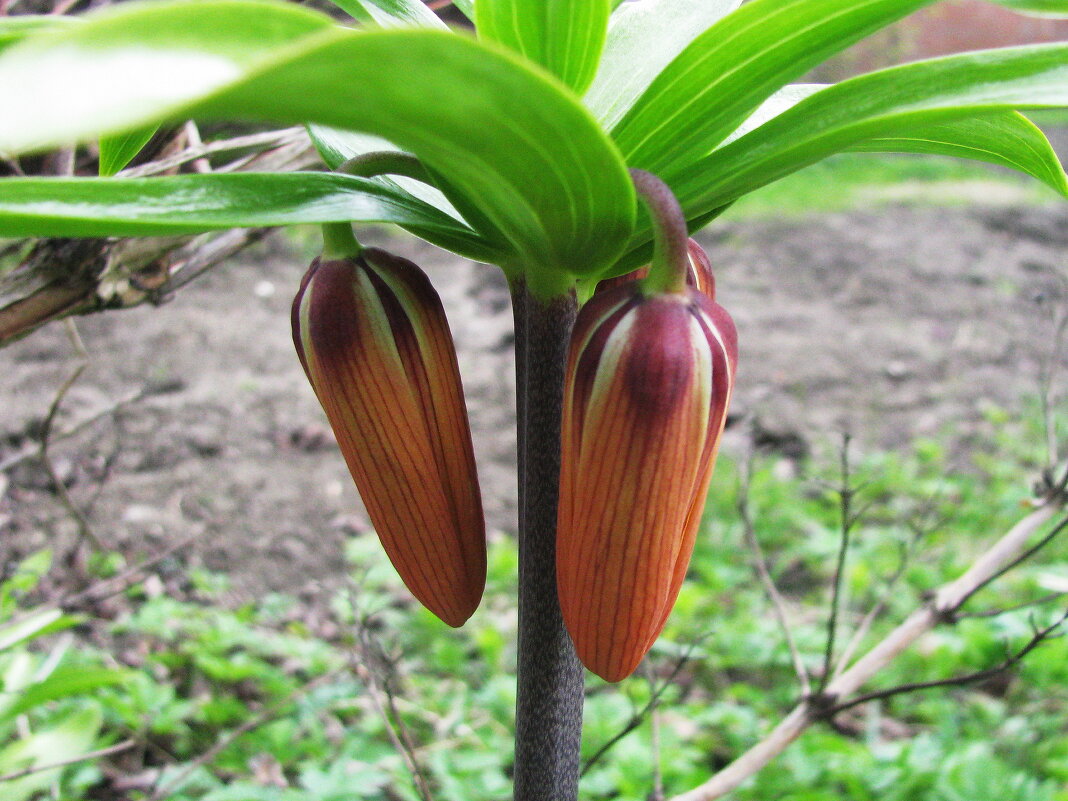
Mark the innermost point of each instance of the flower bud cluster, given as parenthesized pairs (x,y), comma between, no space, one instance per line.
(649,380)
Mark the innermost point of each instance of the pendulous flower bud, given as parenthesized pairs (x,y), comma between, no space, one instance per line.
(375,344)
(648,384)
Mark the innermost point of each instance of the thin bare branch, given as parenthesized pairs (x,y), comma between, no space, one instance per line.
(192,137)
(1045,599)
(266,140)
(920,530)
(193,261)
(269,713)
(639,716)
(111,750)
(760,565)
(943,606)
(85,530)
(120,583)
(1027,554)
(1010,661)
(31,450)
(367,654)
(848,519)
(1048,373)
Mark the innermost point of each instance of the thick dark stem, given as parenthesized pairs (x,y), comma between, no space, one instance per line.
(519,321)
(549,703)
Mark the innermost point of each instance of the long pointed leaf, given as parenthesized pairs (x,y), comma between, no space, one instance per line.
(893,103)
(524,152)
(1039,8)
(130,66)
(336,147)
(564,36)
(117,151)
(714,84)
(643,38)
(1005,138)
(185,204)
(391,13)
(896,110)
(15,29)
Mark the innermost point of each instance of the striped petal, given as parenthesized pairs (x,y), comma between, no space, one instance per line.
(372,336)
(649,380)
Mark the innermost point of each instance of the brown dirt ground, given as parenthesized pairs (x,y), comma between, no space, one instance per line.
(894,322)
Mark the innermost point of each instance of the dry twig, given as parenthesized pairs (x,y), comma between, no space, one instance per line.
(266,715)
(365,656)
(760,565)
(1040,636)
(941,608)
(846,493)
(638,717)
(85,530)
(118,748)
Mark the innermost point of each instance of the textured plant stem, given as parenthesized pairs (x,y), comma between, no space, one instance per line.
(518,288)
(549,697)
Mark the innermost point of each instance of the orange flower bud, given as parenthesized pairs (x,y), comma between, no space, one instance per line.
(375,344)
(648,384)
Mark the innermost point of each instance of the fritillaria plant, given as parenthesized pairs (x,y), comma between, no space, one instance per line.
(568,142)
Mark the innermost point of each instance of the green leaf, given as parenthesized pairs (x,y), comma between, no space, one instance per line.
(34,625)
(15,29)
(467,8)
(118,151)
(63,683)
(1039,8)
(564,36)
(93,80)
(70,738)
(184,204)
(900,102)
(525,153)
(643,38)
(1005,138)
(725,73)
(336,146)
(391,13)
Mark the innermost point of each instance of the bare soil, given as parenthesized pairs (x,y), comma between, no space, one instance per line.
(893,323)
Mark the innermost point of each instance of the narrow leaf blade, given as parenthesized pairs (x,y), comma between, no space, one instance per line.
(642,40)
(1005,138)
(96,79)
(517,147)
(897,102)
(391,13)
(725,73)
(15,29)
(186,204)
(118,151)
(1038,8)
(467,8)
(563,36)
